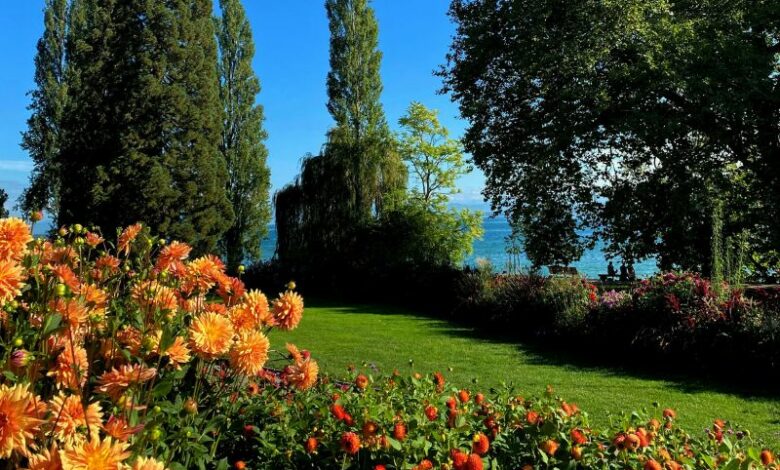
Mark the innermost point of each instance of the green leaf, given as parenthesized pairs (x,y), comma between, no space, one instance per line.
(52,323)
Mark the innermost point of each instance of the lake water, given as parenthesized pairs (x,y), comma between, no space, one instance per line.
(493,246)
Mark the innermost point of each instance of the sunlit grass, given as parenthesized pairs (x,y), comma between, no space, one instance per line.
(391,339)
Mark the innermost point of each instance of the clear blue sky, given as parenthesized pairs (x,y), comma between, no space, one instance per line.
(292,62)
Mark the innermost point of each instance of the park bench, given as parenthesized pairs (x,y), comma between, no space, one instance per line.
(563,271)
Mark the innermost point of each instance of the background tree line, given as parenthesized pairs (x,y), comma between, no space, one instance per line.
(635,121)
(145,111)
(350,213)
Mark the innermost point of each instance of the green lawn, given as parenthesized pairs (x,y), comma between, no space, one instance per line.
(390,338)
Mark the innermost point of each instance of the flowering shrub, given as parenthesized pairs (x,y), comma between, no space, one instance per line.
(130,355)
(423,423)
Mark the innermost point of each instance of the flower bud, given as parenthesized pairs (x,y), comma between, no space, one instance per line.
(36,216)
(191,406)
(241,268)
(291,285)
(20,357)
(18,342)
(60,290)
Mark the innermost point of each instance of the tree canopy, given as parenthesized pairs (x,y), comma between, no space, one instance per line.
(624,117)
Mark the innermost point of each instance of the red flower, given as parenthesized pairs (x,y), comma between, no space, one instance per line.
(669,413)
(532,417)
(479,398)
(451,403)
(550,447)
(369,429)
(767,457)
(474,462)
(578,437)
(311,445)
(463,395)
(652,465)
(459,459)
(350,443)
(361,382)
(399,431)
(424,465)
(431,412)
(480,444)
(380,467)
(338,412)
(438,379)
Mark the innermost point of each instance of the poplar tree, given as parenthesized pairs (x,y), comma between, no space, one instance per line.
(3,199)
(243,137)
(142,125)
(42,137)
(360,140)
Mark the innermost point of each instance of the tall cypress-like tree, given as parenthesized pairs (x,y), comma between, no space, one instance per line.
(242,144)
(360,140)
(142,125)
(42,138)
(3,199)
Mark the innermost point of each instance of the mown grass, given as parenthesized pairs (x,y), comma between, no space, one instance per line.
(387,339)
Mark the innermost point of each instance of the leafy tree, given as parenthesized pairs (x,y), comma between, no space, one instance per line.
(436,234)
(141,130)
(42,138)
(581,111)
(242,144)
(3,200)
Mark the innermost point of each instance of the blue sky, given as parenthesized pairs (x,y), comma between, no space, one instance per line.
(292,62)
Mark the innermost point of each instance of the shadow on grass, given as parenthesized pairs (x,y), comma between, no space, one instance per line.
(685,378)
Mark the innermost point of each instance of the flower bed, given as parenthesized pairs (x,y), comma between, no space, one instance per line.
(135,356)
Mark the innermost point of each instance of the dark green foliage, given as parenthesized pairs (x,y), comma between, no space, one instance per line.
(242,137)
(3,200)
(43,135)
(626,116)
(141,131)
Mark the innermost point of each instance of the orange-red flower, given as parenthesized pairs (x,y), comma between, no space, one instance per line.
(431,412)
(550,447)
(669,413)
(767,457)
(95,454)
(93,239)
(288,310)
(474,462)
(152,296)
(114,382)
(46,459)
(463,396)
(399,431)
(211,335)
(653,465)
(20,419)
(203,273)
(12,277)
(66,276)
(438,379)
(578,437)
(14,237)
(311,445)
(361,381)
(71,367)
(231,290)
(250,353)
(480,444)
(532,417)
(127,237)
(119,429)
(71,420)
(350,443)
(178,353)
(171,258)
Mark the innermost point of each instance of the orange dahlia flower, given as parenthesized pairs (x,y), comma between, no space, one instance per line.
(171,258)
(12,278)
(211,335)
(46,459)
(152,296)
(95,454)
(250,353)
(119,429)
(71,367)
(302,374)
(144,463)
(178,353)
(20,419)
(71,420)
(114,382)
(288,310)
(14,237)
(127,237)
(550,447)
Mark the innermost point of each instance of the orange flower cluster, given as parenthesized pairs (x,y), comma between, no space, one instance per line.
(100,334)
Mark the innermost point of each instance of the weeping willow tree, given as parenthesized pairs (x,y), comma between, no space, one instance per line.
(352,182)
